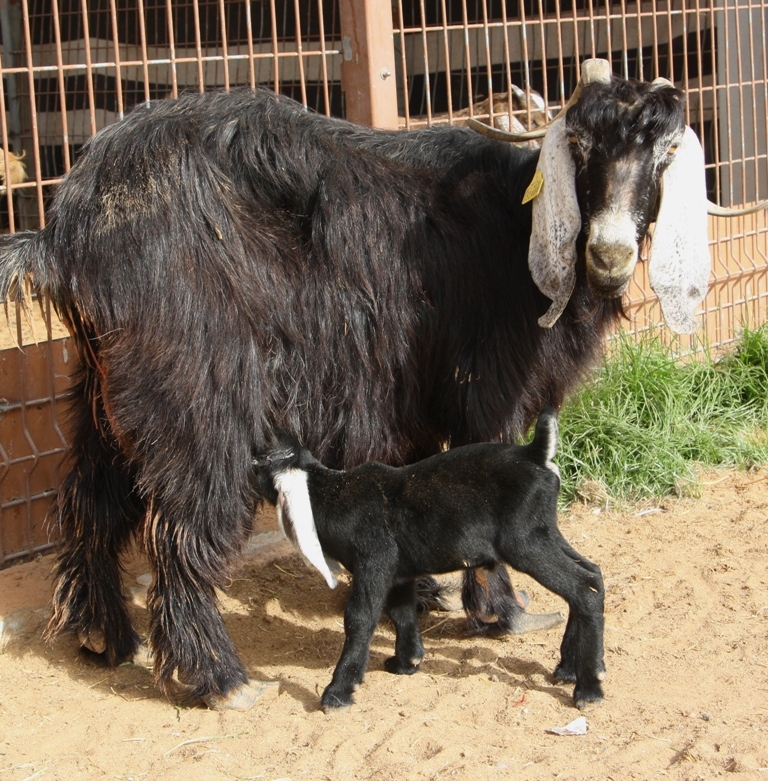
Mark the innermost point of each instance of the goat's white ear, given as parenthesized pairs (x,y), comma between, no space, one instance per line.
(680,261)
(556,224)
(294,514)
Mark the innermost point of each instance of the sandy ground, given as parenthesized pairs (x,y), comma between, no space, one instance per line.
(686,651)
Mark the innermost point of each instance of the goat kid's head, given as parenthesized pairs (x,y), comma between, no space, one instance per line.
(617,158)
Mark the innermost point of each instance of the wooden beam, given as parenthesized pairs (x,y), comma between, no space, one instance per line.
(368,69)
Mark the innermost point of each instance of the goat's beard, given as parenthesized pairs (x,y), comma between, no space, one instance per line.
(594,306)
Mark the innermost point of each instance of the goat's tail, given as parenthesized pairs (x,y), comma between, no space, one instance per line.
(294,508)
(18,256)
(544,444)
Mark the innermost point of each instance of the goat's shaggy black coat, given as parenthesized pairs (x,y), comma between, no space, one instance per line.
(230,265)
(472,506)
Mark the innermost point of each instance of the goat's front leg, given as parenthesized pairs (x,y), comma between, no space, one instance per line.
(369,591)
(409,650)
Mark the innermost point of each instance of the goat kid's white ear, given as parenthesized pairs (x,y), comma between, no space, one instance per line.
(556,224)
(680,261)
(294,514)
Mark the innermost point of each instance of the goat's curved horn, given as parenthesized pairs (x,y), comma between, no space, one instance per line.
(724,211)
(505,135)
(712,208)
(591,71)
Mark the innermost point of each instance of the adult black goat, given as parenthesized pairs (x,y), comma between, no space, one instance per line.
(480,504)
(231,264)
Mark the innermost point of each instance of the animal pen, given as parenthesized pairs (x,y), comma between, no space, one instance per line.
(69,68)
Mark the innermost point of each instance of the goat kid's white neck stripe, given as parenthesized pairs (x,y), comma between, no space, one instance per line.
(293,506)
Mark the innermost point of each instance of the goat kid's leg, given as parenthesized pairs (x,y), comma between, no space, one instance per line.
(97,513)
(409,650)
(581,651)
(361,615)
(493,608)
(580,584)
(565,671)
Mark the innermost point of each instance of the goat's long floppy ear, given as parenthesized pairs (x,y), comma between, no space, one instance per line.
(556,224)
(680,262)
(294,513)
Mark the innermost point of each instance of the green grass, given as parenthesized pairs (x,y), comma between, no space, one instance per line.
(649,421)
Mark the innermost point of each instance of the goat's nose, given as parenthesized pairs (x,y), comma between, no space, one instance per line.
(611,259)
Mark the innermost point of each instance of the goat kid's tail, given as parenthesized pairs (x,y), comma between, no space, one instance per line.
(544,444)
(294,508)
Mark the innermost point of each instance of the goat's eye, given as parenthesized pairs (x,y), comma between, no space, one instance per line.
(673,148)
(573,139)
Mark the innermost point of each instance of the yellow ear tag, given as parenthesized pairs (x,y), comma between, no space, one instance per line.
(534,188)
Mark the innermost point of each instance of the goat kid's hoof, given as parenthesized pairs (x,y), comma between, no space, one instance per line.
(564,674)
(393,665)
(589,697)
(92,639)
(523,623)
(334,703)
(243,697)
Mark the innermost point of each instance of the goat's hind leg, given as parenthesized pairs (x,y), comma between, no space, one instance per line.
(186,631)
(493,608)
(97,512)
(401,609)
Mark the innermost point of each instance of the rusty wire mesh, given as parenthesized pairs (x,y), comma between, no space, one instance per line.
(70,67)
(460,57)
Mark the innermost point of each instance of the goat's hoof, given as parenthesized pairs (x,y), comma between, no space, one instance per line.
(336,703)
(92,639)
(522,623)
(393,665)
(588,696)
(143,657)
(328,709)
(564,674)
(243,697)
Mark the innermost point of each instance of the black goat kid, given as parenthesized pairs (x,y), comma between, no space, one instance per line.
(231,265)
(472,506)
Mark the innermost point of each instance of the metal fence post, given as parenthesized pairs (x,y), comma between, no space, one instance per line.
(368,71)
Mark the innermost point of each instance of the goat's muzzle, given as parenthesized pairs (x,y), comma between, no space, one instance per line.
(611,254)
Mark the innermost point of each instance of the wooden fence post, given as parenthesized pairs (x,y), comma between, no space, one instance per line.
(368,70)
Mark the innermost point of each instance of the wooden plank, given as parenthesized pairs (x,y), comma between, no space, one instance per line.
(368,67)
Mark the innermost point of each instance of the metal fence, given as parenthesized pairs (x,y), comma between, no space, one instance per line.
(70,67)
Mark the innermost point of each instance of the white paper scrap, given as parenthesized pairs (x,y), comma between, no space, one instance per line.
(576,727)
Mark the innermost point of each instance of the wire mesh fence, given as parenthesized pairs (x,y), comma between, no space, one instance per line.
(71,67)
